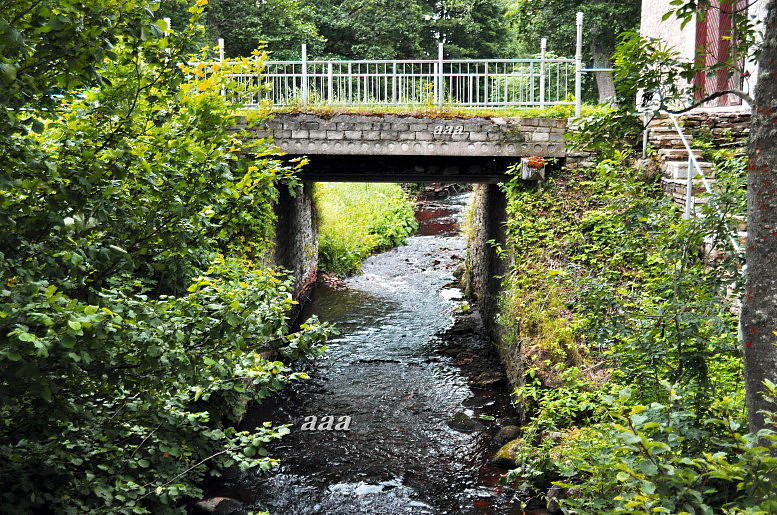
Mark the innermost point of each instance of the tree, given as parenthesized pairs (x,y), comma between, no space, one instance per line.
(390,29)
(759,305)
(372,29)
(555,20)
(284,25)
(472,29)
(130,330)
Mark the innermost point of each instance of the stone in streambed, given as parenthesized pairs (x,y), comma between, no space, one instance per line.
(506,434)
(487,378)
(506,456)
(464,423)
(219,506)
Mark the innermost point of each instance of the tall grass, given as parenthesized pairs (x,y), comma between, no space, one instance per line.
(357,219)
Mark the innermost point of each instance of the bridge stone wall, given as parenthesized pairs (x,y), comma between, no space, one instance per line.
(392,135)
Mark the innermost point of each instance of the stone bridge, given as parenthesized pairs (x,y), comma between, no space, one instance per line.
(396,148)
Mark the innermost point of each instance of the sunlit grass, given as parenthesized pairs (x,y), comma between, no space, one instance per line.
(327,110)
(357,219)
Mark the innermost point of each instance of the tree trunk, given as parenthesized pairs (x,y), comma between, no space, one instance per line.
(759,306)
(604,82)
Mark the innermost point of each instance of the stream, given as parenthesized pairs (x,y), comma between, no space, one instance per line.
(419,380)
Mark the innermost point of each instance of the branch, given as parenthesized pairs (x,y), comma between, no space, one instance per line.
(741,94)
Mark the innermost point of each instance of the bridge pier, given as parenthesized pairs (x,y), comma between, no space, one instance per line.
(486,265)
(296,237)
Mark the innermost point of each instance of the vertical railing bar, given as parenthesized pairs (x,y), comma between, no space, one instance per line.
(441,78)
(394,83)
(543,48)
(330,82)
(350,85)
(579,66)
(486,100)
(304,74)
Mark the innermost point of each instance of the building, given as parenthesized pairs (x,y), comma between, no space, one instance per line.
(709,38)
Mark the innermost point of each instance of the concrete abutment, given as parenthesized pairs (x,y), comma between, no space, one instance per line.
(486,265)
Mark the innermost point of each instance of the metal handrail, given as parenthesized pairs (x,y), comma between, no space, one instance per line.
(693,165)
(528,82)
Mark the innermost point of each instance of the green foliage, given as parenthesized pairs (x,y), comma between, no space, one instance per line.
(359,219)
(604,265)
(129,343)
(555,20)
(660,458)
(388,29)
(282,25)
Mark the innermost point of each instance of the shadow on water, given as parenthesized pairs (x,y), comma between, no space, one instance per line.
(403,365)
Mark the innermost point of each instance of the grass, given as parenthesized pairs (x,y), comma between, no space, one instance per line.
(328,111)
(358,219)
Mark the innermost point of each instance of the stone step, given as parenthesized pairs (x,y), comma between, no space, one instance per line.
(676,187)
(667,141)
(679,169)
(677,154)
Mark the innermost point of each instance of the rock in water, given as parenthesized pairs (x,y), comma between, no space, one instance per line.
(462,422)
(488,378)
(506,434)
(219,506)
(506,456)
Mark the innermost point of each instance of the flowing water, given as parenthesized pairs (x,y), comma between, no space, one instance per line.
(405,362)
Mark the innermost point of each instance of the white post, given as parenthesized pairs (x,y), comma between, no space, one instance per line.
(350,84)
(579,66)
(645,135)
(440,79)
(221,49)
(394,85)
(304,74)
(330,82)
(543,48)
(689,187)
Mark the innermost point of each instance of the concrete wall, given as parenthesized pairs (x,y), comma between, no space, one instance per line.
(389,135)
(485,267)
(296,238)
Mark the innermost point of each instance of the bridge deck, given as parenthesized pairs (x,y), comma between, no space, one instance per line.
(391,147)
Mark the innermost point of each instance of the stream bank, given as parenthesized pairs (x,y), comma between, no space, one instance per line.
(418,382)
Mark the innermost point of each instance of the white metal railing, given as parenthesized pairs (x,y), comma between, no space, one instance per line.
(536,82)
(695,170)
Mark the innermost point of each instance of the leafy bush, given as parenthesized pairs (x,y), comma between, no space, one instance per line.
(359,219)
(604,265)
(131,337)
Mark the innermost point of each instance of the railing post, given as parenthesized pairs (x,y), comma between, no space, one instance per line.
(579,66)
(304,74)
(221,60)
(439,79)
(485,85)
(394,83)
(330,82)
(350,84)
(543,48)
(689,187)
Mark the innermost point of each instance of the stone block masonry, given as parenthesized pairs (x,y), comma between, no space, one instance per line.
(391,135)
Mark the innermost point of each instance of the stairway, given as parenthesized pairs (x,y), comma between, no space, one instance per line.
(672,157)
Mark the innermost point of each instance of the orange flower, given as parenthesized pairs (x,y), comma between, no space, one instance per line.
(535,162)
